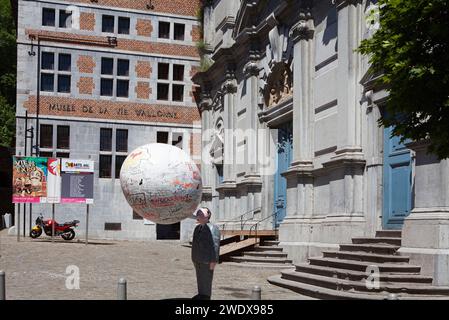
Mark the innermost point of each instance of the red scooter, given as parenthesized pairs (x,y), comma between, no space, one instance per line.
(65,230)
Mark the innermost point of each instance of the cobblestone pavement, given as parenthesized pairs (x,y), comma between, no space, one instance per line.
(36,269)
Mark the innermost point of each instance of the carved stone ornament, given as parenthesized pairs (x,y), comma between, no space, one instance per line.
(304,28)
(230,84)
(206,102)
(280,85)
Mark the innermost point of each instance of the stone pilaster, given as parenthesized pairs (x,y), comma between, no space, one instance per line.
(425,235)
(229,89)
(349,160)
(350,17)
(251,71)
(299,176)
(205,106)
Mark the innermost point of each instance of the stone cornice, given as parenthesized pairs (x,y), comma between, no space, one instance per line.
(205,103)
(346,157)
(301,169)
(340,4)
(227,186)
(230,84)
(304,29)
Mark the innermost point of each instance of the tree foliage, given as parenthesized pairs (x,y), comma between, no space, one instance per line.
(411,51)
(7,74)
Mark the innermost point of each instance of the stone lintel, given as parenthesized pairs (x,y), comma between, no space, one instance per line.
(346,157)
(227,186)
(299,169)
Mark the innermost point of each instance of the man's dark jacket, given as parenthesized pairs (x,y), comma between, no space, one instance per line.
(206,243)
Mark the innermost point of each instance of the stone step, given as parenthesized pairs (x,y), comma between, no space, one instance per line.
(358,275)
(379,240)
(362,266)
(370,248)
(388,234)
(325,293)
(270,243)
(347,285)
(363,256)
(260,259)
(268,248)
(276,266)
(320,292)
(277,254)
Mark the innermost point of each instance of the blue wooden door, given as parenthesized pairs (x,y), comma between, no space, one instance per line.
(397,182)
(284,158)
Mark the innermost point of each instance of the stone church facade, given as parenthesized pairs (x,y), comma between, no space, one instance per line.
(289,116)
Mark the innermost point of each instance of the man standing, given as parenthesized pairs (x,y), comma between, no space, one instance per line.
(205,252)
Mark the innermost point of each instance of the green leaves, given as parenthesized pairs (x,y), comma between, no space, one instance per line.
(7,74)
(411,50)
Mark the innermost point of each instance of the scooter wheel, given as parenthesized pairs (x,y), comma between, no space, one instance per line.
(35,234)
(68,235)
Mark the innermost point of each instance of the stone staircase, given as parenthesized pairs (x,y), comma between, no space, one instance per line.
(266,254)
(342,274)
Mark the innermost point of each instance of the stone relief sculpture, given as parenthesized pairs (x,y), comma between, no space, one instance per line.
(276,85)
(279,85)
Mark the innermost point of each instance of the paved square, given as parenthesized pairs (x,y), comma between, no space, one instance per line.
(36,269)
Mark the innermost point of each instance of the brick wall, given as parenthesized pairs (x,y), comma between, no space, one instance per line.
(86,85)
(107,109)
(180,7)
(143,69)
(195,144)
(144,27)
(87,21)
(122,44)
(143,90)
(195,33)
(86,64)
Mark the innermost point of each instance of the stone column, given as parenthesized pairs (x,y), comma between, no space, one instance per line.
(229,90)
(252,179)
(299,176)
(349,162)
(425,235)
(251,71)
(228,187)
(206,136)
(349,112)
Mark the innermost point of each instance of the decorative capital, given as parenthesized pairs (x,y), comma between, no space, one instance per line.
(205,102)
(251,69)
(340,4)
(230,84)
(304,28)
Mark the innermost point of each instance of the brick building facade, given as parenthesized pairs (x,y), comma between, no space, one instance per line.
(97,79)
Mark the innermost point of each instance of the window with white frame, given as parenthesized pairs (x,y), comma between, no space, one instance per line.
(179,30)
(56,72)
(109,23)
(47,138)
(52,17)
(170,83)
(114,75)
(108,154)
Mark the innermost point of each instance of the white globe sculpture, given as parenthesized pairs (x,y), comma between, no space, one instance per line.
(161,183)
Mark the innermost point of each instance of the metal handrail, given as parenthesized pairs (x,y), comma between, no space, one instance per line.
(240,218)
(275,214)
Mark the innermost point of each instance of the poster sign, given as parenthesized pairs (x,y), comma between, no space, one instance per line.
(77,181)
(30,179)
(54,181)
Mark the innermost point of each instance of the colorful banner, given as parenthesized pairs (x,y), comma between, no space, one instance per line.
(30,180)
(77,181)
(54,181)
